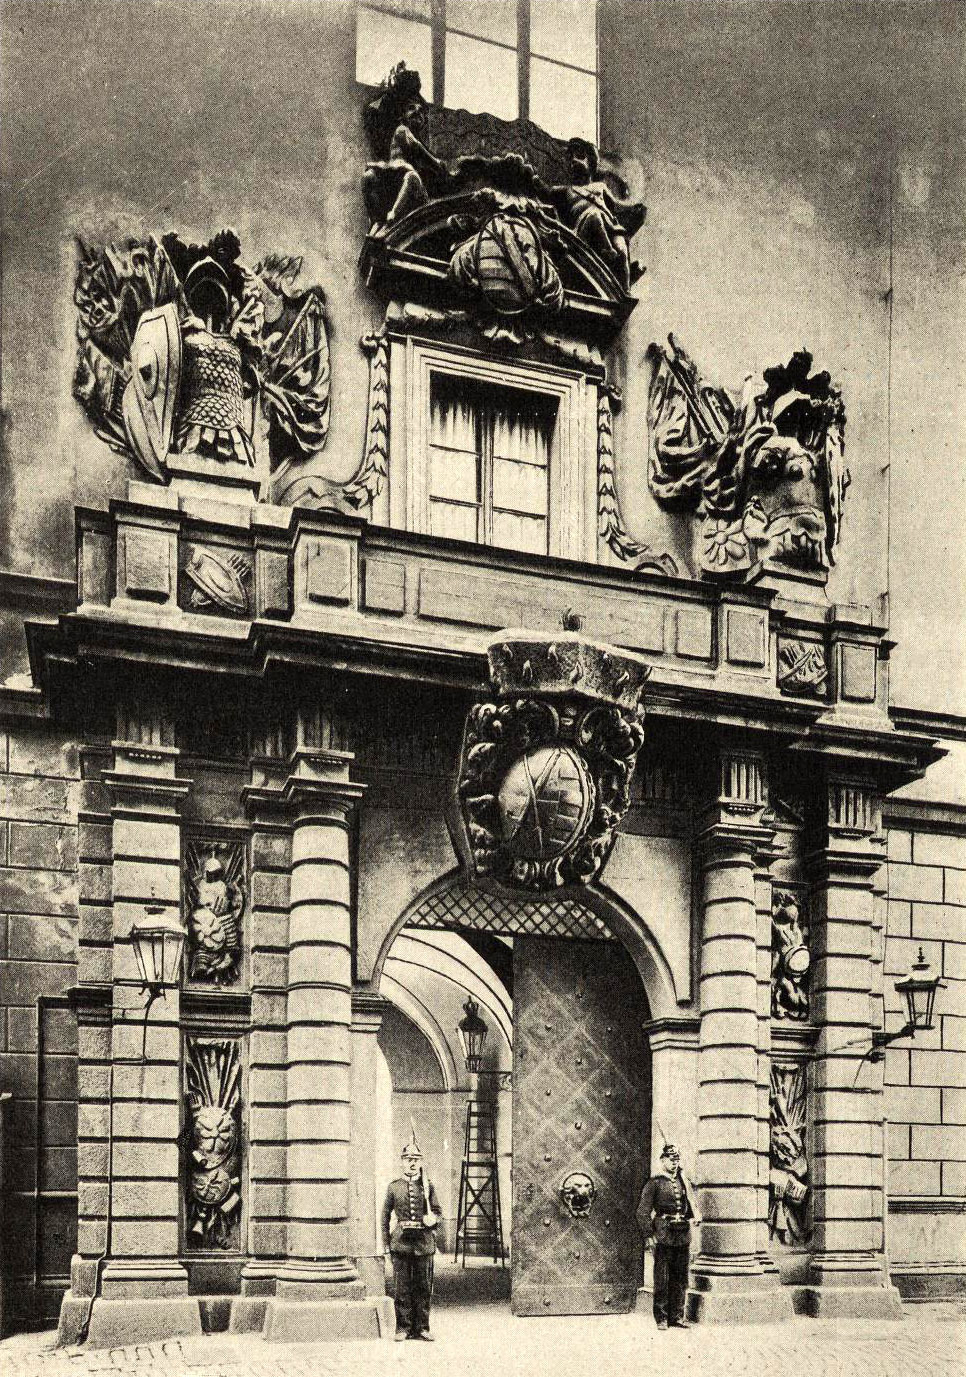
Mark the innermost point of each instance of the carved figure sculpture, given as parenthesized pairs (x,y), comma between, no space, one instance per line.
(213,1092)
(605,221)
(766,474)
(182,351)
(790,958)
(216,901)
(788,1176)
(398,122)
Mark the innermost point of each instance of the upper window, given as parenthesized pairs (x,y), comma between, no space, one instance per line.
(489,464)
(518,59)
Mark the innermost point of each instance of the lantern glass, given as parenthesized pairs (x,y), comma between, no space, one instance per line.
(158,952)
(472,1034)
(919,989)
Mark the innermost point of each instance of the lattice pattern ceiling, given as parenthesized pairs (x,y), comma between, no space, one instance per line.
(464,906)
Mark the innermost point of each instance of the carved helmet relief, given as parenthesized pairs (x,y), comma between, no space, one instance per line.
(766,473)
(184,353)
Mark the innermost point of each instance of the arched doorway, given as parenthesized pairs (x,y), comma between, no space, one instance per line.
(581,1100)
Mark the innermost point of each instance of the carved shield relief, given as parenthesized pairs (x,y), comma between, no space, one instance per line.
(152,392)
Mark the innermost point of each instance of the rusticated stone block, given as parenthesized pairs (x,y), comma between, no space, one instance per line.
(384,587)
(42,937)
(745,636)
(34,799)
(43,846)
(147,564)
(272,586)
(858,668)
(328,571)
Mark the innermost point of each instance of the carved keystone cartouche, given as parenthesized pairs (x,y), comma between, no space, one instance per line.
(546,768)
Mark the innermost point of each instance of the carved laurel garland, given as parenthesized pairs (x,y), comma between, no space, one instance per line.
(610,523)
(366,485)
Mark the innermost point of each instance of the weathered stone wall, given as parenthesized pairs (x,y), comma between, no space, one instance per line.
(926,1077)
(38,903)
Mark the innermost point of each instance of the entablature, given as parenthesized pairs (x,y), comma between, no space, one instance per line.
(185,583)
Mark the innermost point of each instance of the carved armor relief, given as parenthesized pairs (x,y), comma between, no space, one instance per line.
(215,889)
(213,1144)
(790,956)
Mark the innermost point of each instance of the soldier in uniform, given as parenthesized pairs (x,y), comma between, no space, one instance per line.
(664,1215)
(411,1243)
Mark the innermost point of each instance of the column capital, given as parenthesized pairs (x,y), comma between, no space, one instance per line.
(368,1008)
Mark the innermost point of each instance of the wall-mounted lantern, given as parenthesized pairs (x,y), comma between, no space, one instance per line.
(158,950)
(472,1034)
(919,991)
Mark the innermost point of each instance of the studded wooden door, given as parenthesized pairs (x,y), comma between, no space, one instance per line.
(581,1109)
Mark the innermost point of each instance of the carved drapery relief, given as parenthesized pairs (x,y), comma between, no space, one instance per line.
(789,1186)
(610,523)
(187,357)
(790,956)
(765,474)
(545,773)
(367,483)
(213,1129)
(215,888)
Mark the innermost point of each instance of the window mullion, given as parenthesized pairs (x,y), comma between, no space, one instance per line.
(438,22)
(487,431)
(523,56)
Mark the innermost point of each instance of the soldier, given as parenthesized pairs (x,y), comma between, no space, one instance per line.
(665,1212)
(412,1243)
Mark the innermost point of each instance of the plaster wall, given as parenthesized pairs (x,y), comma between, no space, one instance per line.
(803,168)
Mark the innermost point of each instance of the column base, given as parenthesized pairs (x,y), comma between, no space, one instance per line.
(140,1320)
(319,1281)
(849,1287)
(847,1302)
(143,1279)
(321,1321)
(739,1297)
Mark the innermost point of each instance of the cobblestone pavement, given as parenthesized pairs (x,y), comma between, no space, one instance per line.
(930,1341)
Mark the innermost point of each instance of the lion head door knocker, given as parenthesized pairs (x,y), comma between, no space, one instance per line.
(577,1192)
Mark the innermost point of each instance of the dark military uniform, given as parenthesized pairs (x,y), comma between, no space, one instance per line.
(665,1213)
(411,1245)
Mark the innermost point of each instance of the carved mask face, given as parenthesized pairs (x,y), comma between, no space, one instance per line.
(577,1194)
(413,116)
(786,499)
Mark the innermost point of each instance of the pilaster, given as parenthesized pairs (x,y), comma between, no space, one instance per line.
(365,1241)
(729,1278)
(848,1276)
(317,1288)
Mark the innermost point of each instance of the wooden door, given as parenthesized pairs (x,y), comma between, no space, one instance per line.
(581,1108)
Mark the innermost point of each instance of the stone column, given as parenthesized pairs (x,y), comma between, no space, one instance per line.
(365,1245)
(144,1287)
(271,853)
(763,906)
(848,1275)
(730,1283)
(318,1292)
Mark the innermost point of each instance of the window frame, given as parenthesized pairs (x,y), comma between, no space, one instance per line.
(572,468)
(439,29)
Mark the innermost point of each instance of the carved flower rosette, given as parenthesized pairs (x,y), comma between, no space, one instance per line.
(545,778)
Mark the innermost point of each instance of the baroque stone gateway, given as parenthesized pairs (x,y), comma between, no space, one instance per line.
(427,713)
